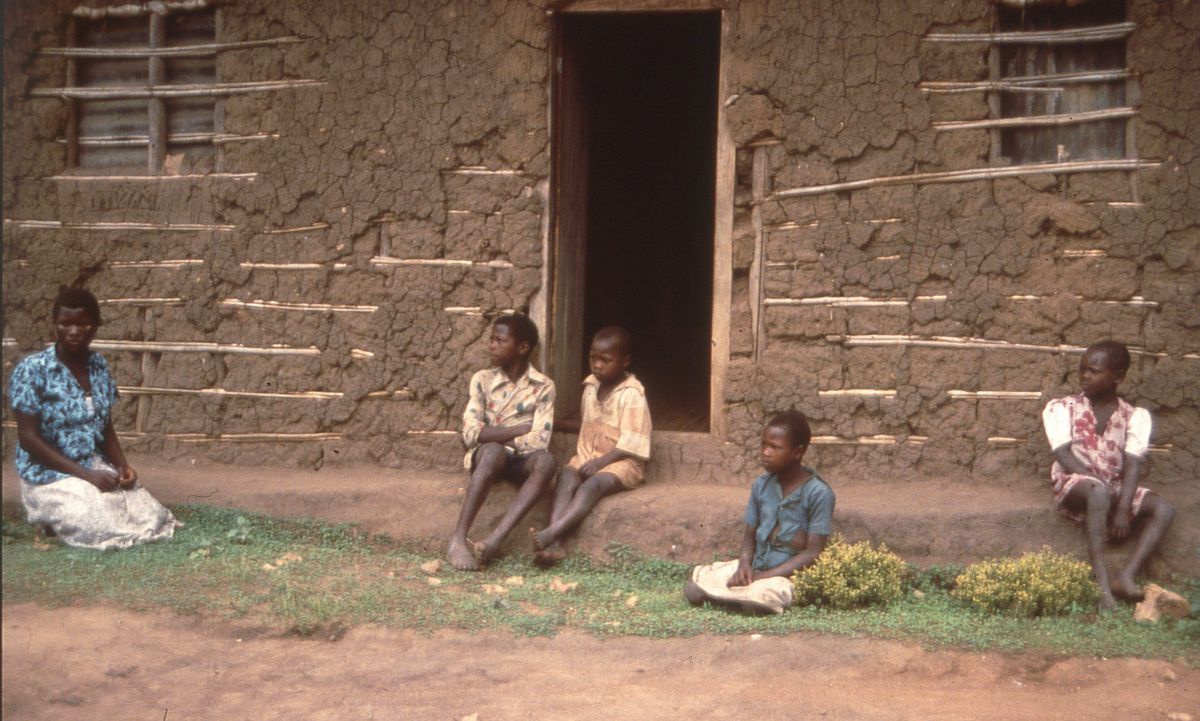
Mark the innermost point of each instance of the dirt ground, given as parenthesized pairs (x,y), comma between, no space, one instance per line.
(102,662)
(94,663)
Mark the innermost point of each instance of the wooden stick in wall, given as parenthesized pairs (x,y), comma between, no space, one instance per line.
(1096,33)
(201,50)
(1031,121)
(962,176)
(209,90)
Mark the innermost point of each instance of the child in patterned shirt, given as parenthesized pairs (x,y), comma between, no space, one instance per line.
(613,446)
(1099,444)
(506,428)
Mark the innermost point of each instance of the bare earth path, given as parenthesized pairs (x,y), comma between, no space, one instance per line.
(100,663)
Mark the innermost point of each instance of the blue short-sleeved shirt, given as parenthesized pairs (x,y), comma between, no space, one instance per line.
(776,519)
(69,419)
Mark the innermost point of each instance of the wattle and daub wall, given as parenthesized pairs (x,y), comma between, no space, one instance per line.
(322,287)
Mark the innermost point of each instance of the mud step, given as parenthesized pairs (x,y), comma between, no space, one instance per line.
(926,522)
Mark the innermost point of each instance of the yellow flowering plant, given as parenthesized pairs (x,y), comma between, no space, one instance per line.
(1036,584)
(850,575)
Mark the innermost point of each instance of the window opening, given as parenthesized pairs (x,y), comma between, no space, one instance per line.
(123,122)
(1064,74)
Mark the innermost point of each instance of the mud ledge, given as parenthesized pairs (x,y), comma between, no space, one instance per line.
(927,522)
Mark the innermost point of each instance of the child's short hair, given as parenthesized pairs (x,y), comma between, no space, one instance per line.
(617,335)
(1116,353)
(796,425)
(523,329)
(76,298)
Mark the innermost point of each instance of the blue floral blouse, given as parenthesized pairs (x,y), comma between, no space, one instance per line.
(69,419)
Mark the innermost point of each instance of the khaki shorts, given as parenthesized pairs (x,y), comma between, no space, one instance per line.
(628,471)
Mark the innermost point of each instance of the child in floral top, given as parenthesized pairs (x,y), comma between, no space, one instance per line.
(1099,444)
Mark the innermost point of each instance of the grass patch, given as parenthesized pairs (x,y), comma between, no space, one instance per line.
(310,577)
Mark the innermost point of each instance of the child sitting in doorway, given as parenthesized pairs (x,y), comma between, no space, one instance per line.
(1099,443)
(789,518)
(613,446)
(506,428)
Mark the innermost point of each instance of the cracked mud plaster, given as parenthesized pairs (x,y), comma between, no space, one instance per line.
(835,87)
(365,164)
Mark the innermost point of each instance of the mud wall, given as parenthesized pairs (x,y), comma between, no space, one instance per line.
(346,263)
(971,297)
(342,267)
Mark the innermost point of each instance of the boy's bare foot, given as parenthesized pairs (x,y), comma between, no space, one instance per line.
(459,555)
(694,594)
(1107,602)
(483,552)
(549,557)
(1126,589)
(541,540)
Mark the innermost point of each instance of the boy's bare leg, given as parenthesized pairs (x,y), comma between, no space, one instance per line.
(490,460)
(584,500)
(1159,515)
(541,470)
(1093,496)
(548,549)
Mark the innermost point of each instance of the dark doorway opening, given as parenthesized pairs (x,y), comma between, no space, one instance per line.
(635,125)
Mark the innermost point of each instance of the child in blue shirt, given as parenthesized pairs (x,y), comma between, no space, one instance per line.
(789,519)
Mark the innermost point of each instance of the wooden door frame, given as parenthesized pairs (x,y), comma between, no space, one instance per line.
(722,206)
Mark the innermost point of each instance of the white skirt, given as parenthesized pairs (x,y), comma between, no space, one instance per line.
(80,515)
(769,594)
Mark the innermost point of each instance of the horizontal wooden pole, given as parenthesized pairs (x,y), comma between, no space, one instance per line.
(482,170)
(222,393)
(141,141)
(1034,121)
(299,229)
(1025,81)
(995,395)
(386,261)
(194,177)
(200,50)
(966,343)
(136,92)
(1097,33)
(312,307)
(962,176)
(141,302)
(72,225)
(851,301)
(254,437)
(857,393)
(201,347)
(140,9)
(167,264)
(293,266)
(875,440)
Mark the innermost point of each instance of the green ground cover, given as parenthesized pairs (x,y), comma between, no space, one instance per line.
(310,577)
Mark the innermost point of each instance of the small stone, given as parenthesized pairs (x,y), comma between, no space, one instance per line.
(631,601)
(756,637)
(432,566)
(557,584)
(1170,675)
(1179,716)
(494,589)
(1160,601)
(514,581)
(268,567)
(918,593)
(433,581)
(470,717)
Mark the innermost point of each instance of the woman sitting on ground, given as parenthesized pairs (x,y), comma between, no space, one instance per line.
(75,480)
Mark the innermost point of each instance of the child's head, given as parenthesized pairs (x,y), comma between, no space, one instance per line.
(1102,368)
(513,338)
(785,440)
(76,314)
(610,353)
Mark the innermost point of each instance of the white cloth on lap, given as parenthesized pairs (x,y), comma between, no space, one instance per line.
(770,594)
(82,516)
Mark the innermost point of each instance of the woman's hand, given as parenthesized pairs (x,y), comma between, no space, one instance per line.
(104,479)
(128,478)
